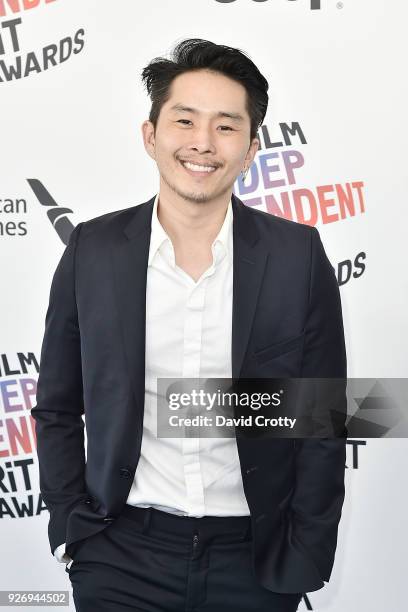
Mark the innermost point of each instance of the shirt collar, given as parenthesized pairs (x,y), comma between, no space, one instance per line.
(222,243)
(158,235)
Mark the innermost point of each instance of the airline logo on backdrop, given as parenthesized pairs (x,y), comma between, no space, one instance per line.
(16,62)
(315,5)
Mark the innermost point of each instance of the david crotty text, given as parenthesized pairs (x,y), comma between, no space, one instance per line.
(222,421)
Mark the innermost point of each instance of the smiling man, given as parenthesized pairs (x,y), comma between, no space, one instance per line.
(191,283)
(201,140)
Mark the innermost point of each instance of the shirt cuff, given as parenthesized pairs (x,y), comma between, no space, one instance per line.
(61,555)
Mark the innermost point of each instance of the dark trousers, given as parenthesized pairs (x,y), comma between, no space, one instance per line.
(153,561)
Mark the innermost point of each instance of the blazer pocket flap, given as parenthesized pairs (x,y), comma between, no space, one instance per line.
(283,504)
(279,348)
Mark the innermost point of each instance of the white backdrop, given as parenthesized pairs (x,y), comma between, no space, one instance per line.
(339,72)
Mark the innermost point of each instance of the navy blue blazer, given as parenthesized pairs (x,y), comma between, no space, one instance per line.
(286,322)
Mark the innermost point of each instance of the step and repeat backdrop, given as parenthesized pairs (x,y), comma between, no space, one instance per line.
(333,155)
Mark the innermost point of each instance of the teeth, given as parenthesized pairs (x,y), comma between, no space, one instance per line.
(196,168)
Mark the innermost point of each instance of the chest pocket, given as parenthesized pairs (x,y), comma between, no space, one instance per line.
(279,348)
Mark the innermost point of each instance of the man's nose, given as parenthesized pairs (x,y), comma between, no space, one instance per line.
(202,142)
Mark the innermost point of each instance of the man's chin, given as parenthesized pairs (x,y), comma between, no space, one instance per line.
(200,197)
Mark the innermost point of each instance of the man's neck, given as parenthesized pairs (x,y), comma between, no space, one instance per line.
(191,222)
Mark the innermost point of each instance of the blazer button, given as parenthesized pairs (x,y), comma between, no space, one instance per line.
(260,518)
(251,469)
(125,473)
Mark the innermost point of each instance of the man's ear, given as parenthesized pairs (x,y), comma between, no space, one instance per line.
(148,138)
(253,148)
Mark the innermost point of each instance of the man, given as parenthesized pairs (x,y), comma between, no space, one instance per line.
(191,283)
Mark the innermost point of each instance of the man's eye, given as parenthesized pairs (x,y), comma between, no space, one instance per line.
(223,127)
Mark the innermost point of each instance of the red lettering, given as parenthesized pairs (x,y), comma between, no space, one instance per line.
(16,6)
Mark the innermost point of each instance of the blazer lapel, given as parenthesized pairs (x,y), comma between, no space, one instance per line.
(129,259)
(250,257)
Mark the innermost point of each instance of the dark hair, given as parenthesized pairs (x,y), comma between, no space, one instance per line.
(196,53)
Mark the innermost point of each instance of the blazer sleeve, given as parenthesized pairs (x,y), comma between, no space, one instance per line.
(59,406)
(320,462)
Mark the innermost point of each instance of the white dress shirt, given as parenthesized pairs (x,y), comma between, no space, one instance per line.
(188,335)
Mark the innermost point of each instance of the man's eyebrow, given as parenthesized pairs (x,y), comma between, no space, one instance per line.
(234,116)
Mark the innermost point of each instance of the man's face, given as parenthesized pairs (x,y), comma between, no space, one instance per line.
(192,130)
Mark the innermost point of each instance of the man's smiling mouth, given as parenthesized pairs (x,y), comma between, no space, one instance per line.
(198,168)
